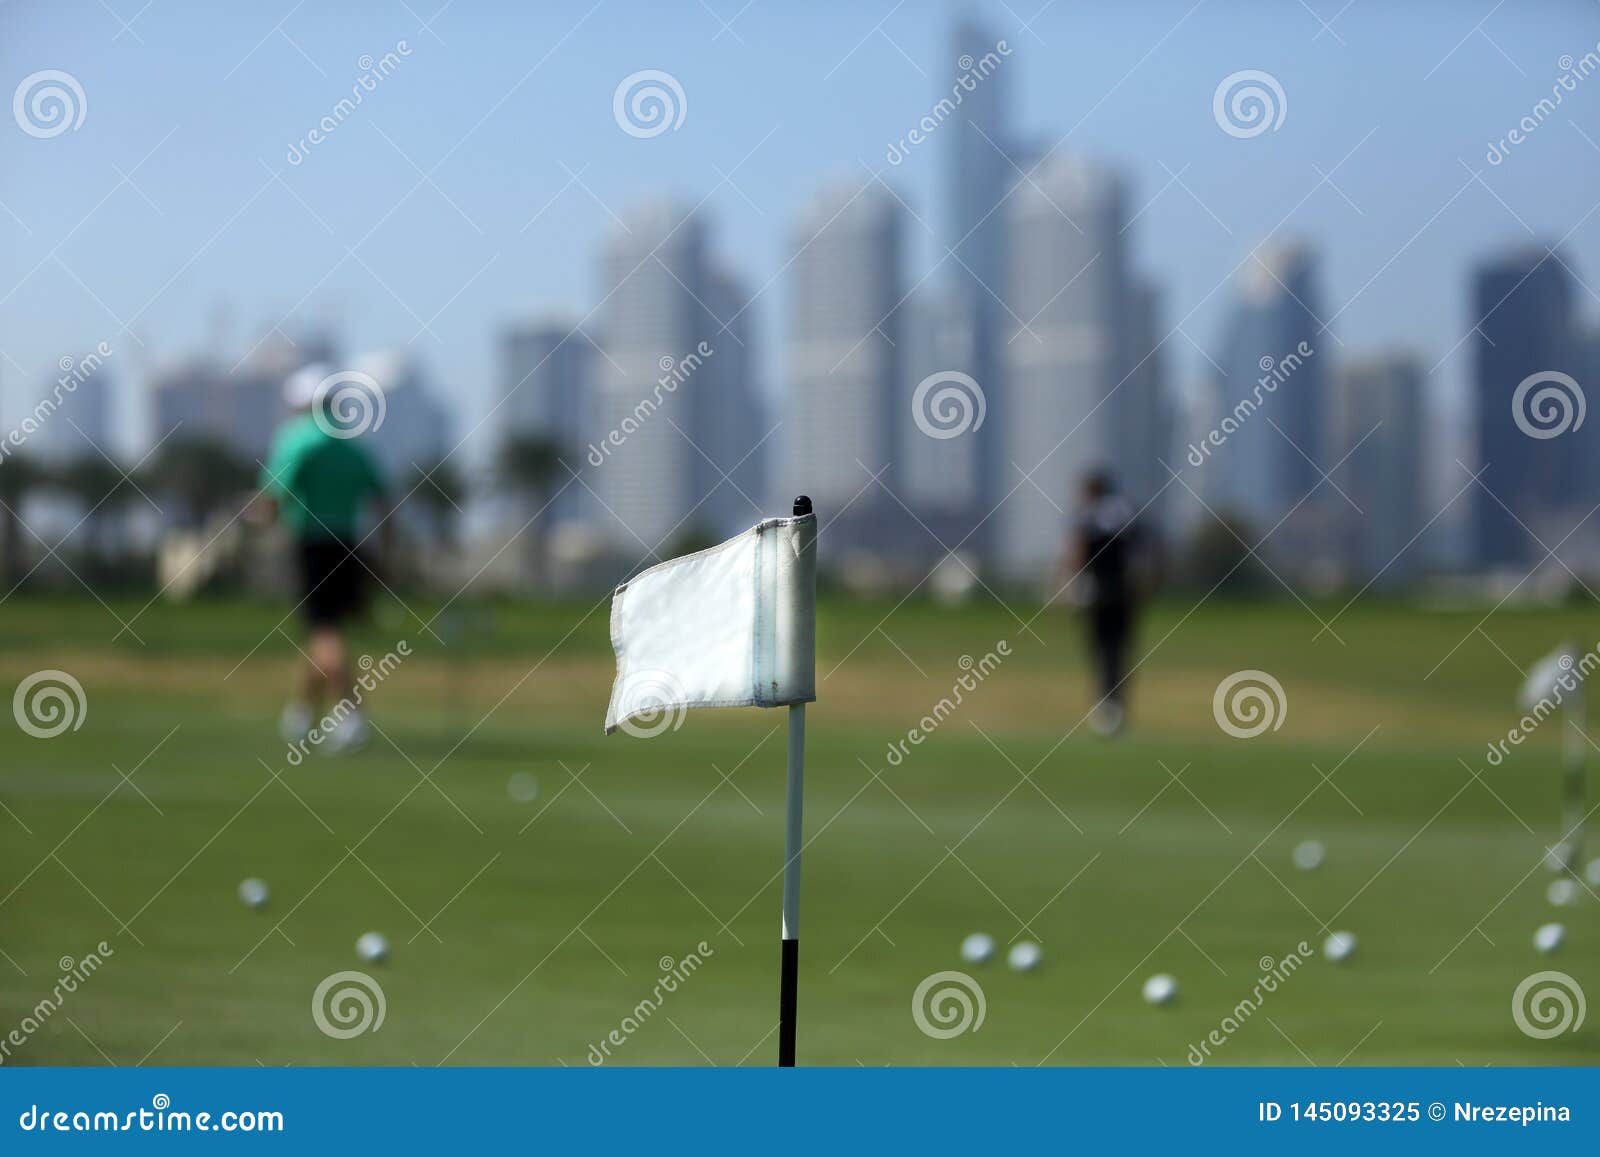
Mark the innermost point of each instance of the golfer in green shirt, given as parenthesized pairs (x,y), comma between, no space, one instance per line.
(320,481)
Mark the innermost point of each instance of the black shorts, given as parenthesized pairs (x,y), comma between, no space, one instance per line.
(333,582)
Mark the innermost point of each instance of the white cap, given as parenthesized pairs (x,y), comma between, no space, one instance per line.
(300,390)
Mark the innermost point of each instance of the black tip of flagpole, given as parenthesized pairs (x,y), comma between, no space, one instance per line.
(802,505)
(788,988)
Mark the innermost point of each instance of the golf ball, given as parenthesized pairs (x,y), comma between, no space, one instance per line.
(1339,946)
(1308,855)
(977,948)
(1592,873)
(372,947)
(253,893)
(1549,937)
(523,787)
(1160,989)
(1025,956)
(1563,890)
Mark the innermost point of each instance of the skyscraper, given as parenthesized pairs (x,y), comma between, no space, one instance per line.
(940,472)
(976,159)
(1143,410)
(653,267)
(674,402)
(1064,346)
(416,431)
(79,425)
(1262,471)
(1522,306)
(1375,416)
(189,396)
(978,156)
(545,365)
(241,405)
(731,467)
(842,355)
(1197,411)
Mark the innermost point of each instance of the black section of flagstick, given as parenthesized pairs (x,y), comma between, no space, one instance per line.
(787,992)
(789,976)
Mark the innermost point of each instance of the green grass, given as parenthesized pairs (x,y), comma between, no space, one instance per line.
(524,932)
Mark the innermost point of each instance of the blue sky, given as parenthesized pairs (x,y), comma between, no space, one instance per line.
(163,207)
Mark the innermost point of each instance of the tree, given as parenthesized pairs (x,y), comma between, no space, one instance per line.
(526,465)
(203,476)
(18,477)
(1218,557)
(438,490)
(102,491)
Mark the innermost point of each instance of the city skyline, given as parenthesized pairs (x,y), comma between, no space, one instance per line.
(556,384)
(1005,208)
(1137,129)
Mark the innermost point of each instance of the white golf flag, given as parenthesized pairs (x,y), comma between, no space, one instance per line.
(732,626)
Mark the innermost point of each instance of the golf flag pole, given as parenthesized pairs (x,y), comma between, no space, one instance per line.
(734,625)
(793,831)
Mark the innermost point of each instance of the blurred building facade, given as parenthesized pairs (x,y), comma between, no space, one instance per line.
(654,268)
(1532,493)
(1144,411)
(1269,463)
(981,169)
(417,430)
(546,395)
(239,405)
(81,424)
(668,437)
(675,417)
(735,438)
(1065,347)
(1376,430)
(941,478)
(842,357)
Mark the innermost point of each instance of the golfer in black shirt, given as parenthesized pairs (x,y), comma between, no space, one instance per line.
(1102,550)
